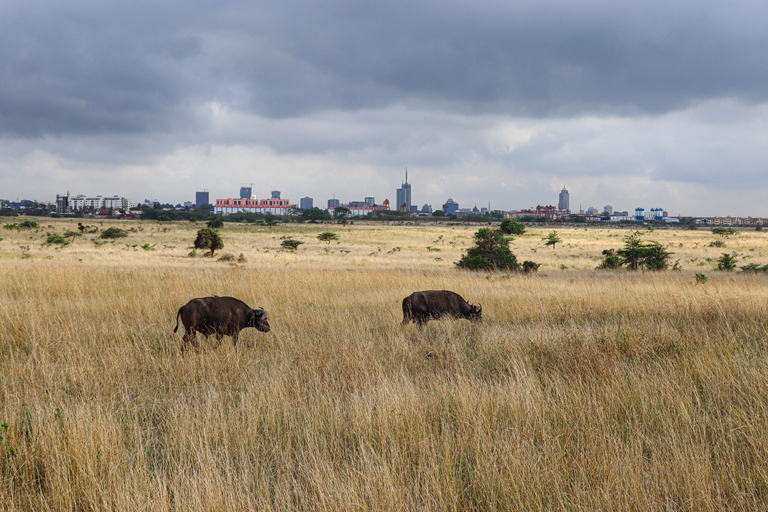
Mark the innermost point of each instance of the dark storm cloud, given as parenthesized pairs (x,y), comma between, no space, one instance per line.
(132,67)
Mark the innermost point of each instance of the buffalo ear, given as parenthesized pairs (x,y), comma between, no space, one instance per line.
(260,313)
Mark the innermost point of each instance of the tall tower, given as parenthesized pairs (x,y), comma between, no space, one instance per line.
(563,203)
(404,195)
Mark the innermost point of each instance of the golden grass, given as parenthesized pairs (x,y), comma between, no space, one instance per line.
(580,390)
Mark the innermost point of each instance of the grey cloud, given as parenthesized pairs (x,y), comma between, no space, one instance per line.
(127,67)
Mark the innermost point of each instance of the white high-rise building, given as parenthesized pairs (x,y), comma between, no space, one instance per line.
(564,202)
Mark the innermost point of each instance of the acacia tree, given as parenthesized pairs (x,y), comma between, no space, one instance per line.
(327,237)
(209,239)
(552,238)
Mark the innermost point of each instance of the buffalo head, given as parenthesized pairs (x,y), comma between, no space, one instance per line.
(475,314)
(259,320)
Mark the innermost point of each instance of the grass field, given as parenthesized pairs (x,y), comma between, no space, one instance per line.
(580,390)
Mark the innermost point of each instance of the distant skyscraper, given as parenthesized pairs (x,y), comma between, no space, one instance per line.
(608,209)
(404,195)
(370,201)
(306,203)
(246,192)
(450,206)
(564,202)
(333,203)
(275,194)
(201,198)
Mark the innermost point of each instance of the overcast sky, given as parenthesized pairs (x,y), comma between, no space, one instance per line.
(629,104)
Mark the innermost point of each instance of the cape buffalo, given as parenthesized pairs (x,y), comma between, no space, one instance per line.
(421,306)
(220,316)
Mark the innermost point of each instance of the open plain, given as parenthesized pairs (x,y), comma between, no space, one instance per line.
(581,389)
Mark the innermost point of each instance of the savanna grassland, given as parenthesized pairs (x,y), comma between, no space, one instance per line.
(581,389)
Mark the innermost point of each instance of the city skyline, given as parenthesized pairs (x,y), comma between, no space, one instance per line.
(628,103)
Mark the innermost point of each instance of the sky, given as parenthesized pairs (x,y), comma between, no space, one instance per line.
(625,103)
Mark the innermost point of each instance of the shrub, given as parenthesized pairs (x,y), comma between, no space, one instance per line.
(208,239)
(164,218)
(215,223)
(241,258)
(530,267)
(726,262)
(57,239)
(113,233)
(717,243)
(227,257)
(290,244)
(512,227)
(610,260)
(754,268)
(327,237)
(490,252)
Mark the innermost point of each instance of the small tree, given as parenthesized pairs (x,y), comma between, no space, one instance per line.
(291,244)
(490,252)
(726,262)
(636,254)
(314,215)
(759,226)
(552,238)
(512,227)
(327,237)
(341,213)
(208,239)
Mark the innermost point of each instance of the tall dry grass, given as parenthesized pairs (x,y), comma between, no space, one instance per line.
(580,390)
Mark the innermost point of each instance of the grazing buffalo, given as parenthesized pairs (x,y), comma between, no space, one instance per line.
(220,316)
(421,306)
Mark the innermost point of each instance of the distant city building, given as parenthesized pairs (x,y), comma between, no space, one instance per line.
(657,213)
(564,203)
(306,203)
(608,209)
(370,201)
(414,209)
(274,206)
(201,198)
(275,194)
(246,192)
(62,203)
(333,203)
(70,203)
(592,211)
(404,195)
(451,206)
(427,208)
(639,213)
(188,204)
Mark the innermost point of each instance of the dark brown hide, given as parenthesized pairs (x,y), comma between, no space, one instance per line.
(419,307)
(222,316)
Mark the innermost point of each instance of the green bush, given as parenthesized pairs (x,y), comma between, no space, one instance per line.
(726,262)
(57,239)
(490,252)
(530,267)
(290,244)
(512,227)
(113,233)
(637,254)
(215,223)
